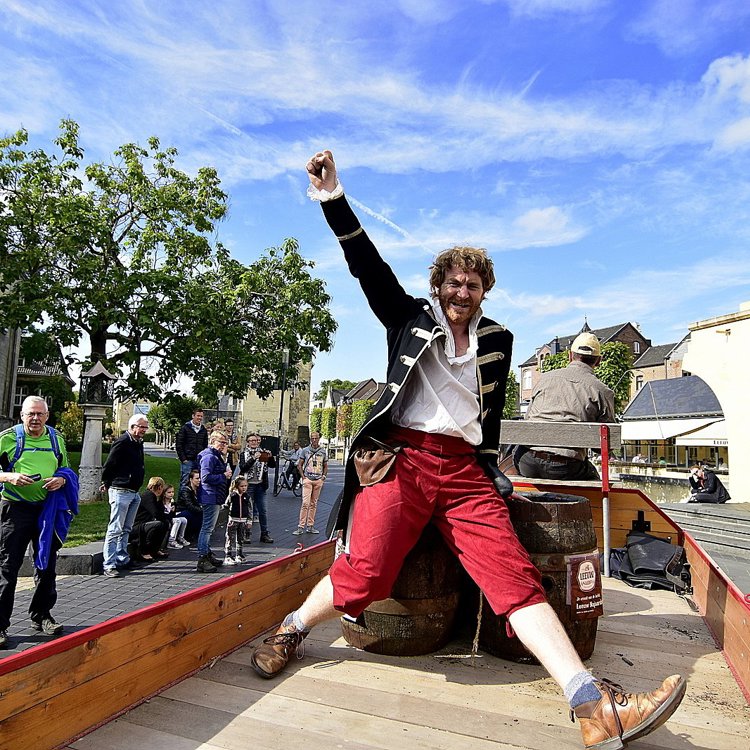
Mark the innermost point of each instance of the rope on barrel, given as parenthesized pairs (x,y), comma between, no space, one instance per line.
(475,642)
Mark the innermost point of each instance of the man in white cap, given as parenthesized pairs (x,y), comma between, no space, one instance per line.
(572,394)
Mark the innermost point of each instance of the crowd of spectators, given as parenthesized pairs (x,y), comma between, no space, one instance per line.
(217,472)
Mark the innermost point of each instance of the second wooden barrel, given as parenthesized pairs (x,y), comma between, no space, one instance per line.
(418,617)
(558,533)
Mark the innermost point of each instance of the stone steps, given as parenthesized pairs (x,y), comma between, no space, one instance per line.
(723,525)
(723,531)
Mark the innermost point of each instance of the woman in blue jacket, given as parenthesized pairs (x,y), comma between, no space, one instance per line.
(213,490)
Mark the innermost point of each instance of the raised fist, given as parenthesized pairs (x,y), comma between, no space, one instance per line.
(321,170)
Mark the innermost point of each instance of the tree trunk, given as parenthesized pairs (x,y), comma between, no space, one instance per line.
(99,344)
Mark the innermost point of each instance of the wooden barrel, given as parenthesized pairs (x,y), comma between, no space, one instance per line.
(419,615)
(558,533)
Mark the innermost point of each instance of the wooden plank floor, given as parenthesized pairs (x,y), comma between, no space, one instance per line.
(338,697)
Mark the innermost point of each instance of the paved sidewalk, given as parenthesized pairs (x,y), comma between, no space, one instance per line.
(85,600)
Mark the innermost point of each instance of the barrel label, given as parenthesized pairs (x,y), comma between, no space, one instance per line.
(584,586)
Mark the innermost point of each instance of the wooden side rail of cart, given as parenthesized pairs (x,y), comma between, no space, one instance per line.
(57,691)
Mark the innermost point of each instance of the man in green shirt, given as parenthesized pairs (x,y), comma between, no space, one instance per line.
(25,484)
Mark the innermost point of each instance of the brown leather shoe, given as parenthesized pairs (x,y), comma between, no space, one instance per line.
(619,717)
(274,653)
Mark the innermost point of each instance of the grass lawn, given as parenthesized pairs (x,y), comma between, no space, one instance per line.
(90,524)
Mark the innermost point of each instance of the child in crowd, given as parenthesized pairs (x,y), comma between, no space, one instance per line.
(179,523)
(240,521)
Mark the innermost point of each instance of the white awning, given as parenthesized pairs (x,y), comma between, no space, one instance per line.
(713,435)
(662,429)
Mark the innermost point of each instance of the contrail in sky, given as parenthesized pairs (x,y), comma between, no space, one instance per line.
(387,222)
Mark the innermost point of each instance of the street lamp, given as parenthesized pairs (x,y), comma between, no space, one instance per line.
(284,368)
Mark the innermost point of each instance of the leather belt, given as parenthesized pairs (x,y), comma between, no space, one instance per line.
(547,456)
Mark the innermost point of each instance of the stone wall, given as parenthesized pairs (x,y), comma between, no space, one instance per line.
(262,416)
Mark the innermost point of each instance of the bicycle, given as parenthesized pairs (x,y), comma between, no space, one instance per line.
(285,482)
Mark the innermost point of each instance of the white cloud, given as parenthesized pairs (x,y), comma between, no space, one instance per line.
(635,295)
(729,77)
(429,11)
(735,136)
(543,8)
(678,27)
(546,226)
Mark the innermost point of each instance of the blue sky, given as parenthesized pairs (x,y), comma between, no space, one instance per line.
(599,149)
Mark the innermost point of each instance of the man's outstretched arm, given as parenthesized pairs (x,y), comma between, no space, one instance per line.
(385,295)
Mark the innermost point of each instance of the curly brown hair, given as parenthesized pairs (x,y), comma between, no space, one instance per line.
(467,259)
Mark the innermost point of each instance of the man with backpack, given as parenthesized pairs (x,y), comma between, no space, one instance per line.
(32,457)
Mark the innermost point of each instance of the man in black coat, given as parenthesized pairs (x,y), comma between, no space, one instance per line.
(122,477)
(191,440)
(437,426)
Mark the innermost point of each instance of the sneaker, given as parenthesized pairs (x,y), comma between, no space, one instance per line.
(184,542)
(266,538)
(174,545)
(3,639)
(111,573)
(239,559)
(48,626)
(619,717)
(205,565)
(274,653)
(312,530)
(229,560)
(300,530)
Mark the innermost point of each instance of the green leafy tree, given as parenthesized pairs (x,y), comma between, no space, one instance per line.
(360,412)
(344,421)
(37,346)
(158,419)
(613,370)
(123,256)
(71,422)
(57,392)
(555,361)
(337,384)
(179,409)
(169,416)
(316,420)
(328,423)
(510,410)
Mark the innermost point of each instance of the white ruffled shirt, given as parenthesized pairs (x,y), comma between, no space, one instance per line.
(441,395)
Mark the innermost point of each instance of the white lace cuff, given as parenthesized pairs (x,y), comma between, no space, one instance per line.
(324,195)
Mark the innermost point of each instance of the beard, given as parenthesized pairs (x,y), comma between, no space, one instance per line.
(458,310)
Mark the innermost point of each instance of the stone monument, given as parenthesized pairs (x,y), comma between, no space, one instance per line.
(96,396)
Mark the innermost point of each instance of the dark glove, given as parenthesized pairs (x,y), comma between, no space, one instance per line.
(503,485)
